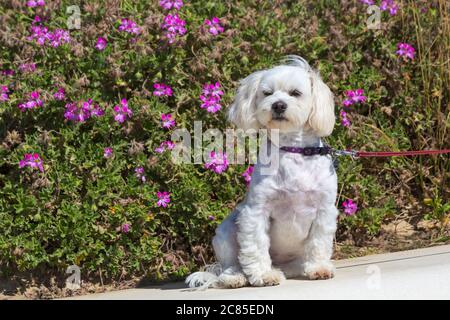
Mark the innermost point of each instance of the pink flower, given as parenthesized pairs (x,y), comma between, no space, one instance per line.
(217,162)
(165,145)
(347,102)
(74,113)
(167,121)
(125,228)
(140,174)
(4,93)
(34,95)
(58,37)
(162,89)
(37,3)
(393,9)
(101,44)
(173,26)
(350,207)
(214,90)
(32,160)
(161,148)
(368,2)
(344,120)
(60,94)
(44,37)
(82,111)
(122,112)
(107,152)
(389,5)
(170,145)
(8,72)
(169,4)
(211,95)
(129,26)
(354,96)
(36,20)
(27,67)
(71,110)
(214,26)
(406,50)
(34,102)
(163,199)
(211,104)
(248,174)
(358,96)
(96,110)
(40,34)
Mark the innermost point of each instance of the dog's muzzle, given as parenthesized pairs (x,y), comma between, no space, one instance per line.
(278,108)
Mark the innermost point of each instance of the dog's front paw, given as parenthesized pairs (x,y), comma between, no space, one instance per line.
(320,270)
(272,277)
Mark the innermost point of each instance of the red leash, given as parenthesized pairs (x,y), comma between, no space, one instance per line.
(366,154)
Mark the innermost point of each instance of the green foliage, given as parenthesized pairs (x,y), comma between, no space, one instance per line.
(72,213)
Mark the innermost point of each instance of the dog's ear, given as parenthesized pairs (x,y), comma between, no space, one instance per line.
(242,110)
(321,118)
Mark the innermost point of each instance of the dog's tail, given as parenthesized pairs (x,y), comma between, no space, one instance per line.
(209,278)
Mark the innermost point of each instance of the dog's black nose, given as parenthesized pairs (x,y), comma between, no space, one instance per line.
(279,107)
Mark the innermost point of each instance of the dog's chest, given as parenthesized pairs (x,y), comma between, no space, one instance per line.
(292,214)
(302,187)
(305,177)
(291,219)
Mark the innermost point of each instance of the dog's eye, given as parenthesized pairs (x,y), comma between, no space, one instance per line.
(267,93)
(295,93)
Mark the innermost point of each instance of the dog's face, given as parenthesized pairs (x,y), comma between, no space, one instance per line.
(288,97)
(283,98)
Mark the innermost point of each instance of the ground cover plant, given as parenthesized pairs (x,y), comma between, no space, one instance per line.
(92,90)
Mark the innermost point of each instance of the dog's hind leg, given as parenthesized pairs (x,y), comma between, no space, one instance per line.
(225,242)
(226,250)
(226,273)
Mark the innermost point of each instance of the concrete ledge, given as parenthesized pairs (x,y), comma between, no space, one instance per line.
(414,274)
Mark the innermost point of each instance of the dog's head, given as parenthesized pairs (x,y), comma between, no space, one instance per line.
(289,97)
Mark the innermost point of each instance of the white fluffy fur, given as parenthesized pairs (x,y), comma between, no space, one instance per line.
(285,226)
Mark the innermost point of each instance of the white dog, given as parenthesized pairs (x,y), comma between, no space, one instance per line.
(285,226)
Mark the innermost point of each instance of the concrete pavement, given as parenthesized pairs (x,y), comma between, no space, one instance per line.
(414,274)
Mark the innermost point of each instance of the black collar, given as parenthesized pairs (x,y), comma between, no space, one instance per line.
(308,151)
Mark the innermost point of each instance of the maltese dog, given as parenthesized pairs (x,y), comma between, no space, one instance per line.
(285,226)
